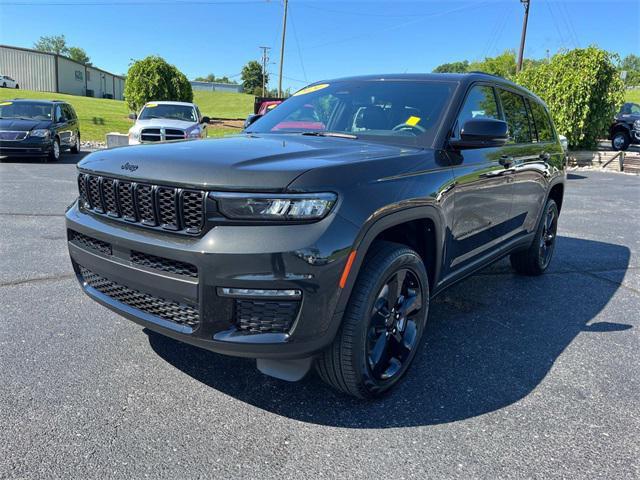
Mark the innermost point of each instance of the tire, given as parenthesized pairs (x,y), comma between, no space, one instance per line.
(536,259)
(76,146)
(4,84)
(54,154)
(17,86)
(620,141)
(376,344)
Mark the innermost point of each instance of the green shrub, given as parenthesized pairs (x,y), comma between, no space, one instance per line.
(582,89)
(154,79)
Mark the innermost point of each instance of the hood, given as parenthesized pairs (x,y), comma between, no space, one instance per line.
(163,122)
(253,162)
(19,125)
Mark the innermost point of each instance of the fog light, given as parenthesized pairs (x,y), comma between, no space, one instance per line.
(255,292)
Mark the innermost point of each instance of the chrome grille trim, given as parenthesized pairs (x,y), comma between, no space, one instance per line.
(155,206)
(13,135)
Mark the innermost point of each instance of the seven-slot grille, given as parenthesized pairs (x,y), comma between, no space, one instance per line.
(166,309)
(164,207)
(161,134)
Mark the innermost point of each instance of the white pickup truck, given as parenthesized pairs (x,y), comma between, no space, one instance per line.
(167,121)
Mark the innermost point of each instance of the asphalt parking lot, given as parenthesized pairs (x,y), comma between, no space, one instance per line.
(519,377)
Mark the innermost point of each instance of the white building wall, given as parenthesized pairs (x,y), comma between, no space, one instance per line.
(31,70)
(70,77)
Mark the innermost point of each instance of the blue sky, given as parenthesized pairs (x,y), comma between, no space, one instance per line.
(324,39)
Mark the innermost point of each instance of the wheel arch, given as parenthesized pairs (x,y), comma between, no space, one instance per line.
(420,228)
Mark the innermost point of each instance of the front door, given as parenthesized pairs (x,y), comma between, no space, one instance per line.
(483,188)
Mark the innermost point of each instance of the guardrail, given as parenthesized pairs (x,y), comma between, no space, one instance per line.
(620,157)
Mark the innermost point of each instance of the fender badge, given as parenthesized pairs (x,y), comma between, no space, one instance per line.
(129,166)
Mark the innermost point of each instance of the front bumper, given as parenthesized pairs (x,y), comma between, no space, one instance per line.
(25,148)
(191,307)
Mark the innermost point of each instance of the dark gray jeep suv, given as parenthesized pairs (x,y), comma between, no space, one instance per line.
(320,234)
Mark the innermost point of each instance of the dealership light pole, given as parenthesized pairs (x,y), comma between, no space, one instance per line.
(265,60)
(284,34)
(524,33)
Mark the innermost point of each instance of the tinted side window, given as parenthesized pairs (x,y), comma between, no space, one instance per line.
(480,103)
(542,122)
(515,113)
(68,112)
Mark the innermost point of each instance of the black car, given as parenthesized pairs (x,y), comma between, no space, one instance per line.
(38,128)
(625,129)
(301,243)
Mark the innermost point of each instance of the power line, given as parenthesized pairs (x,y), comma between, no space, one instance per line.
(133,3)
(295,36)
(400,25)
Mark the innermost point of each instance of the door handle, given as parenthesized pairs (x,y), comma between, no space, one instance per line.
(506,161)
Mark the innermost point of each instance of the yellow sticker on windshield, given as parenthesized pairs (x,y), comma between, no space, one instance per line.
(413,121)
(311,89)
(151,105)
(4,104)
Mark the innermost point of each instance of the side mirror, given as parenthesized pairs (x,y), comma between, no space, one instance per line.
(251,119)
(133,116)
(483,132)
(206,120)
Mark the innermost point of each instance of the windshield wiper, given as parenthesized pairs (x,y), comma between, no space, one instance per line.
(330,134)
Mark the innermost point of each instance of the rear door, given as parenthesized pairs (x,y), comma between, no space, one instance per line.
(482,189)
(531,148)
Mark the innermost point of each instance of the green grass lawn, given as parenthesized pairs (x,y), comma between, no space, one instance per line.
(632,96)
(99,116)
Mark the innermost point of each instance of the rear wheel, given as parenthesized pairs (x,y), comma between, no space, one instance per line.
(620,141)
(536,259)
(17,86)
(382,326)
(76,145)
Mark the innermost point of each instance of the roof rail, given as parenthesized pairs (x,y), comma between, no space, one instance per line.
(486,73)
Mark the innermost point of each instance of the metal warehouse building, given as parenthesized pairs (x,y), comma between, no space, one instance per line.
(216,87)
(48,72)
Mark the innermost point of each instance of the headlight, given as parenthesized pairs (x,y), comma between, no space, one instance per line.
(43,133)
(247,206)
(133,135)
(636,125)
(194,133)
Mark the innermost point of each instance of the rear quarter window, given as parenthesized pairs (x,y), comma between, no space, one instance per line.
(542,122)
(516,116)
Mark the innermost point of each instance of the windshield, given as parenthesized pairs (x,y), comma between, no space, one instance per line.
(26,110)
(173,112)
(399,111)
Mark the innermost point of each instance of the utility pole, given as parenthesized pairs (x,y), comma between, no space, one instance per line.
(265,60)
(284,34)
(524,33)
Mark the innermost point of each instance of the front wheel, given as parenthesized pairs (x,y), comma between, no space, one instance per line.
(535,260)
(620,141)
(17,86)
(382,326)
(54,153)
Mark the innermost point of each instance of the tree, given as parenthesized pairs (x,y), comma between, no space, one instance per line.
(453,67)
(252,77)
(54,44)
(79,55)
(154,79)
(503,65)
(631,64)
(211,78)
(582,89)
